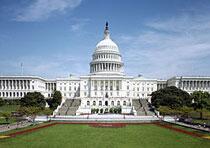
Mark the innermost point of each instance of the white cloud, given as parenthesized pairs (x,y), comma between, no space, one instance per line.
(78,24)
(168,47)
(43,9)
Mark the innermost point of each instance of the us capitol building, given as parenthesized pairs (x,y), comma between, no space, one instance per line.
(106,85)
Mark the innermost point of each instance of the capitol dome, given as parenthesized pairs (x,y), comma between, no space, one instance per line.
(106,58)
(107,44)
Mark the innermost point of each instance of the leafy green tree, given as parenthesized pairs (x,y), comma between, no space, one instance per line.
(2,102)
(55,100)
(200,101)
(185,111)
(171,97)
(6,116)
(33,99)
(164,110)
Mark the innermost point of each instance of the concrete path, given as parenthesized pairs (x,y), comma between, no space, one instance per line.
(17,125)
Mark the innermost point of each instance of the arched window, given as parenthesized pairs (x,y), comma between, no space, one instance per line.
(13,94)
(124,103)
(100,103)
(94,103)
(6,94)
(112,103)
(3,94)
(88,103)
(0,94)
(10,94)
(17,94)
(118,103)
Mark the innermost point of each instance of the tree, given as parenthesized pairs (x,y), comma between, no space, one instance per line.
(164,110)
(31,111)
(171,97)
(55,100)
(33,99)
(200,101)
(2,102)
(185,111)
(6,116)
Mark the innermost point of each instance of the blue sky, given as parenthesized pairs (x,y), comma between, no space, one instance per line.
(55,38)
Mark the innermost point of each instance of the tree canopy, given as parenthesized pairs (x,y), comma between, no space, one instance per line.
(2,102)
(33,99)
(55,100)
(171,97)
(201,100)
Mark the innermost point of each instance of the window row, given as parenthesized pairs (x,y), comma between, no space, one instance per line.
(12,94)
(143,88)
(68,89)
(107,103)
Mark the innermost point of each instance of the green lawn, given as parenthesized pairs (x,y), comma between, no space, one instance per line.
(84,136)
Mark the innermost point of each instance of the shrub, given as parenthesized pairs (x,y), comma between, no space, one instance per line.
(101,110)
(111,110)
(97,110)
(106,110)
(93,110)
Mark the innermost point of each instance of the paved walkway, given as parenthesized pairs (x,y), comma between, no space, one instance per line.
(98,118)
(192,126)
(8,127)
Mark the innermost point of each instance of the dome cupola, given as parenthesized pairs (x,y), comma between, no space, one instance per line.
(106,58)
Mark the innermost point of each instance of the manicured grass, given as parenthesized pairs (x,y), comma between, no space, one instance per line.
(131,136)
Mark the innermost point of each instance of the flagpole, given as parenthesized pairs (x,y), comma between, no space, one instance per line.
(21,68)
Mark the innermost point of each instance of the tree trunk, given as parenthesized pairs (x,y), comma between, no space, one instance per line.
(201,115)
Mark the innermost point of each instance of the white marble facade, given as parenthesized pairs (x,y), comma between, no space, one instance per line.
(106,83)
(190,83)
